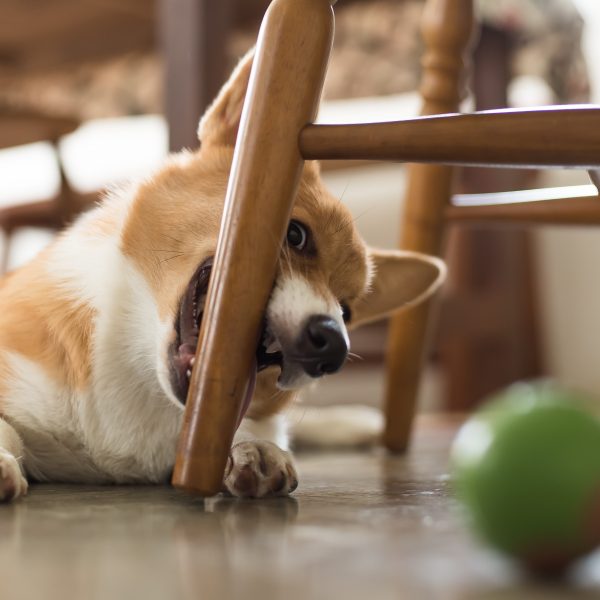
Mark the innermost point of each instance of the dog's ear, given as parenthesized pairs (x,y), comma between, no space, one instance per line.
(400,278)
(220,123)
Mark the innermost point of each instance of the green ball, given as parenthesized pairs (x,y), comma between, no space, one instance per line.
(527,467)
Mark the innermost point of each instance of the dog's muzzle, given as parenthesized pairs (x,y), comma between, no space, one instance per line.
(322,347)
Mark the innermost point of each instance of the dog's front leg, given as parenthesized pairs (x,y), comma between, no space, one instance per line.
(257,466)
(12,482)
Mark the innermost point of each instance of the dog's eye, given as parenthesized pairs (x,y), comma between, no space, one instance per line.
(297,236)
(346,312)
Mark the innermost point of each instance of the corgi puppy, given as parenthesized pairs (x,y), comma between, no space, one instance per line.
(98,333)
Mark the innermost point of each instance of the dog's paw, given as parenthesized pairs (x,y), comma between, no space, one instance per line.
(12,482)
(257,469)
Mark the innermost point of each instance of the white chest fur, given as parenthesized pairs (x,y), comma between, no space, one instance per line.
(122,427)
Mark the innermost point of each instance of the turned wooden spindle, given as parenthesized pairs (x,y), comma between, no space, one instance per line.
(283,95)
(447,27)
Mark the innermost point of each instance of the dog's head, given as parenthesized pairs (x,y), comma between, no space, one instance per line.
(328,280)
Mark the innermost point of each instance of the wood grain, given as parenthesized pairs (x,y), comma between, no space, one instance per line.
(558,136)
(283,95)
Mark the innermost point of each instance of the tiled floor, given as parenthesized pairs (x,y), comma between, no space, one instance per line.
(361,526)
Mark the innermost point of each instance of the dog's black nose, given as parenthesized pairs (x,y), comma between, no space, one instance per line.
(322,346)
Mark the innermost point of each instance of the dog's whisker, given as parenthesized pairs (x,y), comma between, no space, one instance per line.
(287,261)
(161,250)
(362,214)
(172,257)
(294,410)
(346,224)
(277,394)
(171,238)
(344,190)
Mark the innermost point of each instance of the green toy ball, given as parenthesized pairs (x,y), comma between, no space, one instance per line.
(527,466)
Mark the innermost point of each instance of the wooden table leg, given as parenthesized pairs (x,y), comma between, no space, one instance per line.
(283,95)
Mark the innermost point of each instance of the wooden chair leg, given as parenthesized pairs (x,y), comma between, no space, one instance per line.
(283,95)
(447,27)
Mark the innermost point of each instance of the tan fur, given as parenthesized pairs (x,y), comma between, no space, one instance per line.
(166,247)
(41,321)
(268,399)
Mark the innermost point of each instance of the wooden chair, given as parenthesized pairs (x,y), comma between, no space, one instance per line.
(276,135)
(17,127)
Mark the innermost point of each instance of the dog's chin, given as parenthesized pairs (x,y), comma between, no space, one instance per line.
(292,377)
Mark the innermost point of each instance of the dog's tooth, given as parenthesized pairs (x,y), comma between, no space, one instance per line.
(274,346)
(189,373)
(192,360)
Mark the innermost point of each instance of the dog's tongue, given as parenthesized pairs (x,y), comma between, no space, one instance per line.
(249,391)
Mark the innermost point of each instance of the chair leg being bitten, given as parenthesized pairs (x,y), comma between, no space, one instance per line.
(283,96)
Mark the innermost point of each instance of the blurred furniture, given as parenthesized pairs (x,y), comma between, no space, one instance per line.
(63,47)
(489,332)
(272,143)
(41,41)
(26,127)
(484,350)
(104,56)
(193,38)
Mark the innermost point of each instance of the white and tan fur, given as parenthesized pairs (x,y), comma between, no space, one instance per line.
(85,328)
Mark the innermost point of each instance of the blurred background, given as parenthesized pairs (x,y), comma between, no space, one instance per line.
(97,92)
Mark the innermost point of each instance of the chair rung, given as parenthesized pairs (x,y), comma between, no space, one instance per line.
(584,210)
(523,196)
(557,136)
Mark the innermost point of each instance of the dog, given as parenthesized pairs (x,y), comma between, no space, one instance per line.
(98,333)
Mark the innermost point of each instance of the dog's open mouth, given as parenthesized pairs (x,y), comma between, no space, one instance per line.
(187,327)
